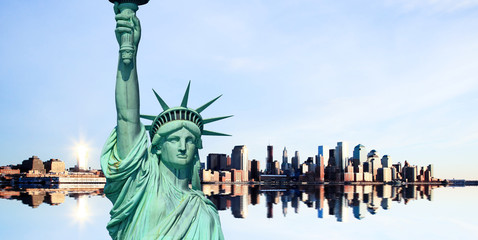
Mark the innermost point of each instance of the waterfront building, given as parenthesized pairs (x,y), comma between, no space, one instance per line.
(304,168)
(384,174)
(275,168)
(341,155)
(409,172)
(270,158)
(323,151)
(225,176)
(386,161)
(7,170)
(295,161)
(228,162)
(359,155)
(54,166)
(285,160)
(358,173)
(349,175)
(375,163)
(33,165)
(331,171)
(237,175)
(331,160)
(429,173)
(239,160)
(209,176)
(320,169)
(367,177)
(216,161)
(255,170)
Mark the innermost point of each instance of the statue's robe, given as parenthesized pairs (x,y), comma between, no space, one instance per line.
(146,205)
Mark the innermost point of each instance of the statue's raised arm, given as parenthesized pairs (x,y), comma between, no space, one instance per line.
(128,34)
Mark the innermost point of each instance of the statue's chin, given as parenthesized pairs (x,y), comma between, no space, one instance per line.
(126,61)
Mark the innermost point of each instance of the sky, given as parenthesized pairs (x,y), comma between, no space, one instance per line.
(397,76)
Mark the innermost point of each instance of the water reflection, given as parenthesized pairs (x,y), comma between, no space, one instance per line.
(34,197)
(363,199)
(81,210)
(328,200)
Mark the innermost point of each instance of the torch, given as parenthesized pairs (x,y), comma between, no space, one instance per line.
(126,46)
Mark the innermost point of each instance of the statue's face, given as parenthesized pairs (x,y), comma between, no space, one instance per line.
(179,148)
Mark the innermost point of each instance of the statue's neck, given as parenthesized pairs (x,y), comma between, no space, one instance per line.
(178,179)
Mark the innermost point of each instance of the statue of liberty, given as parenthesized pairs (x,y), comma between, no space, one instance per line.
(149,186)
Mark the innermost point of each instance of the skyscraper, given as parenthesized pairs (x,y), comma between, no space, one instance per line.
(386,161)
(239,160)
(216,161)
(360,155)
(270,158)
(324,152)
(255,170)
(295,161)
(341,155)
(375,163)
(285,160)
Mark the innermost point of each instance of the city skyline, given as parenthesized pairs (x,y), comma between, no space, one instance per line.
(398,76)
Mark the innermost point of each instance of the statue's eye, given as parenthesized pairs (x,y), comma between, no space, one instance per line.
(173,139)
(190,140)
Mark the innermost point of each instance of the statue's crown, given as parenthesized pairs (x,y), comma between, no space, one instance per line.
(182,113)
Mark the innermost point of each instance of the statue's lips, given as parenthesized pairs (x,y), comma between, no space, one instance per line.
(182,156)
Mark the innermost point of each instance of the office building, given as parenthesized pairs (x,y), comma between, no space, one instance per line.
(270,158)
(255,170)
(295,161)
(341,155)
(32,165)
(324,152)
(216,161)
(285,160)
(386,161)
(360,155)
(239,160)
(54,166)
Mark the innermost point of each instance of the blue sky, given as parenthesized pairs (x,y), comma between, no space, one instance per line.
(398,76)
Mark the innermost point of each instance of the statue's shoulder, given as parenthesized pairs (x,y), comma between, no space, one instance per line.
(199,197)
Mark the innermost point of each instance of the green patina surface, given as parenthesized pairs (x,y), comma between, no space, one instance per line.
(149,184)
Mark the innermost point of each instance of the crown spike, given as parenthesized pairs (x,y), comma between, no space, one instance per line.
(160,100)
(149,117)
(211,133)
(184,103)
(200,109)
(210,120)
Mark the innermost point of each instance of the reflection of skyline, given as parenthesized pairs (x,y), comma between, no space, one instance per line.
(327,200)
(34,197)
(361,199)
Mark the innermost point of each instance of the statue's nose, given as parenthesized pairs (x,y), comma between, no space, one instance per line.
(182,145)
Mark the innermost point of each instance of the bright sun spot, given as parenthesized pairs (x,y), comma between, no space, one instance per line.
(82,156)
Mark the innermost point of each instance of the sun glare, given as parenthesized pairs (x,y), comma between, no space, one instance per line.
(82,156)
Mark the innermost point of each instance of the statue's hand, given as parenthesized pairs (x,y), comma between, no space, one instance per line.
(127,22)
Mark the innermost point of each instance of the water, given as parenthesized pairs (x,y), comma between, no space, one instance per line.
(253,212)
